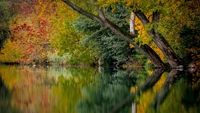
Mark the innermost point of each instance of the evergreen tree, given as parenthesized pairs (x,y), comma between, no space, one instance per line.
(110,47)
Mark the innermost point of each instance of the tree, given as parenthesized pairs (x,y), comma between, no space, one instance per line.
(30,32)
(5,13)
(111,49)
(102,96)
(66,40)
(39,29)
(33,41)
(10,53)
(159,11)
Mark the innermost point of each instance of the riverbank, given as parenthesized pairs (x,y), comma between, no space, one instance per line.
(47,64)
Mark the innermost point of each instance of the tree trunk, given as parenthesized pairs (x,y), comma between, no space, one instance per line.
(145,50)
(132,24)
(159,40)
(173,59)
(153,57)
(134,107)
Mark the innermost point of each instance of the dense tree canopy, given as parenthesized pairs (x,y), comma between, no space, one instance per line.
(115,31)
(162,21)
(5,14)
(39,31)
(110,47)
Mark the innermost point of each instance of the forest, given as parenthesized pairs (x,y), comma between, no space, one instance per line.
(99,56)
(113,33)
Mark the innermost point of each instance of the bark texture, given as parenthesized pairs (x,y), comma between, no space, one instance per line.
(173,59)
(145,49)
(154,58)
(132,24)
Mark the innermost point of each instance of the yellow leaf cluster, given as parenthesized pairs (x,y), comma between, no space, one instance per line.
(9,53)
(143,37)
(131,46)
(133,89)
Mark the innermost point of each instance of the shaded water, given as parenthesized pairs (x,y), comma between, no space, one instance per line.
(26,89)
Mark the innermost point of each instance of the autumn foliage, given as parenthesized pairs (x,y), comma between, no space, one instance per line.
(40,27)
(30,29)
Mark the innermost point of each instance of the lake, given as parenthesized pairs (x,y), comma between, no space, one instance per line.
(25,89)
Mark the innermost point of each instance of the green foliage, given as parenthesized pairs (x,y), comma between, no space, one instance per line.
(102,96)
(84,56)
(5,97)
(85,26)
(182,98)
(66,40)
(86,5)
(79,58)
(54,58)
(110,47)
(10,53)
(139,76)
(5,15)
(70,82)
(118,14)
(174,15)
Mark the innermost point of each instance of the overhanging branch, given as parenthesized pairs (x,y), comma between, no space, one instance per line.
(116,29)
(83,12)
(173,59)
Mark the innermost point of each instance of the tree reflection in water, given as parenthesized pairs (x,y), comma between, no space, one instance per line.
(162,94)
(103,94)
(150,82)
(111,93)
(5,97)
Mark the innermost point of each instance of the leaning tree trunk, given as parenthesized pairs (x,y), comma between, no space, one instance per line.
(144,49)
(173,59)
(153,57)
(101,19)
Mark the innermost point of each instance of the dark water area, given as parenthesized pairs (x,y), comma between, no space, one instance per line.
(25,89)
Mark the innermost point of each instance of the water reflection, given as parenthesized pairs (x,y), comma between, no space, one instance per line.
(149,83)
(105,93)
(173,76)
(42,90)
(5,97)
(178,94)
(175,96)
(160,92)
(26,89)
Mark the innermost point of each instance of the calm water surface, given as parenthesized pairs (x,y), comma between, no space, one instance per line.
(26,89)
